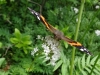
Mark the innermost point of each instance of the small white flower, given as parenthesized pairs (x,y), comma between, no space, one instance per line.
(44,45)
(97,32)
(77,20)
(76,10)
(49,42)
(38,37)
(55,57)
(52,63)
(34,51)
(46,49)
(47,58)
(97,6)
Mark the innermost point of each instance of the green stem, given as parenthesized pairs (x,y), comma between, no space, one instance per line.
(76,35)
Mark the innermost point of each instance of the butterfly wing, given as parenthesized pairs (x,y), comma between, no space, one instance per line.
(58,33)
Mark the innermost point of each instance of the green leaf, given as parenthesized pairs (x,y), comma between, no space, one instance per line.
(79,64)
(87,69)
(29,47)
(93,60)
(84,72)
(3,1)
(26,37)
(65,44)
(19,45)
(83,61)
(1,61)
(77,72)
(17,33)
(58,64)
(0,44)
(14,40)
(4,73)
(27,42)
(96,72)
(88,60)
(97,68)
(64,69)
(25,51)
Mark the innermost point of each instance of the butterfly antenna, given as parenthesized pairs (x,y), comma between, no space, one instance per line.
(38,5)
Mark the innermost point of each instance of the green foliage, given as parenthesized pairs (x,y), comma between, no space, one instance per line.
(16,48)
(0,45)
(82,66)
(17,70)
(2,1)
(85,65)
(4,73)
(1,61)
(4,34)
(39,66)
(21,41)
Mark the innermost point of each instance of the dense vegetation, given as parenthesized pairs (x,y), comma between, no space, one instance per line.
(28,48)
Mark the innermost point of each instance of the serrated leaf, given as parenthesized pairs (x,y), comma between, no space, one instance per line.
(58,64)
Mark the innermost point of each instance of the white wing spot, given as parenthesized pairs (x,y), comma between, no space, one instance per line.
(38,17)
(85,49)
(82,49)
(32,12)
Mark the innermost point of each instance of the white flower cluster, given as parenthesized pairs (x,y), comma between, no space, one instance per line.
(75,9)
(97,6)
(97,32)
(50,48)
(34,51)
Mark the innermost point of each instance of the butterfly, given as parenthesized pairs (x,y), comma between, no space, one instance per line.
(58,33)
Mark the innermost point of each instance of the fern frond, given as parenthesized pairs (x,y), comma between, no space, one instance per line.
(84,65)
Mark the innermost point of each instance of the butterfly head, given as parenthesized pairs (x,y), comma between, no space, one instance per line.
(35,13)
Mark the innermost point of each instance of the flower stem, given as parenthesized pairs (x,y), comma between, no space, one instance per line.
(76,35)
